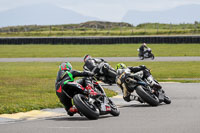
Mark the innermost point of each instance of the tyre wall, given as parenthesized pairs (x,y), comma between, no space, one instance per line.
(101,40)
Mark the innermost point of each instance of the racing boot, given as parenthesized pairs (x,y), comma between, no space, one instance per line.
(136,98)
(152,82)
(72,111)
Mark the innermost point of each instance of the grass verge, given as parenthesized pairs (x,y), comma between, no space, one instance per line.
(28,86)
(167,70)
(119,50)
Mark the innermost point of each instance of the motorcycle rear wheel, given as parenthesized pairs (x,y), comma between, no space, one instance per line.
(141,57)
(152,57)
(153,101)
(87,109)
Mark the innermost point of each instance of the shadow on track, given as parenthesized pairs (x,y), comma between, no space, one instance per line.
(77,118)
(140,105)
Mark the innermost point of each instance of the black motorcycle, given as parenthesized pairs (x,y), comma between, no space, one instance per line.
(148,94)
(92,107)
(146,54)
(105,74)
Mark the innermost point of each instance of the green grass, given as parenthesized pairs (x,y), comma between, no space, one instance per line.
(105,32)
(120,50)
(167,70)
(97,28)
(28,86)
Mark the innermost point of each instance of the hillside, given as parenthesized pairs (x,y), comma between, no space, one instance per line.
(181,14)
(41,14)
(85,25)
(101,28)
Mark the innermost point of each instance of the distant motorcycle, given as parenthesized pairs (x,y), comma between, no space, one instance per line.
(147,54)
(92,107)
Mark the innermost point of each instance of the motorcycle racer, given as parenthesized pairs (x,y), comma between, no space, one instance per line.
(99,67)
(145,52)
(142,71)
(65,79)
(142,49)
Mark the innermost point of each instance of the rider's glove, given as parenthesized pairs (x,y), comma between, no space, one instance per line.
(90,74)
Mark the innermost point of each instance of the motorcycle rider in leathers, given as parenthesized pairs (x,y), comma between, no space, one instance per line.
(65,81)
(95,65)
(142,71)
(142,49)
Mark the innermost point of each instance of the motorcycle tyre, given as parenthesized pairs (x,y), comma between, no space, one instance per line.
(114,109)
(167,100)
(83,107)
(141,57)
(152,57)
(146,97)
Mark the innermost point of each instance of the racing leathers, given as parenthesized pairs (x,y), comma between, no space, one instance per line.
(102,69)
(65,84)
(93,65)
(142,49)
(122,75)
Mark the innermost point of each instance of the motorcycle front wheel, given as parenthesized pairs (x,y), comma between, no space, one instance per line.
(167,100)
(85,107)
(114,109)
(150,99)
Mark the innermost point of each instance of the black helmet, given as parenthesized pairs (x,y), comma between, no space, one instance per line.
(86,57)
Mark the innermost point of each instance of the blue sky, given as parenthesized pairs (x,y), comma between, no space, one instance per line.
(112,10)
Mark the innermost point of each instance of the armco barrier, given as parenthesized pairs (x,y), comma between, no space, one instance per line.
(100,40)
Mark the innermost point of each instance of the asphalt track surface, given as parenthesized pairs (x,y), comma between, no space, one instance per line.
(109,59)
(181,116)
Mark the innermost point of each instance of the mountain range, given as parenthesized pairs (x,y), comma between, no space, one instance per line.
(181,14)
(41,14)
(47,14)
